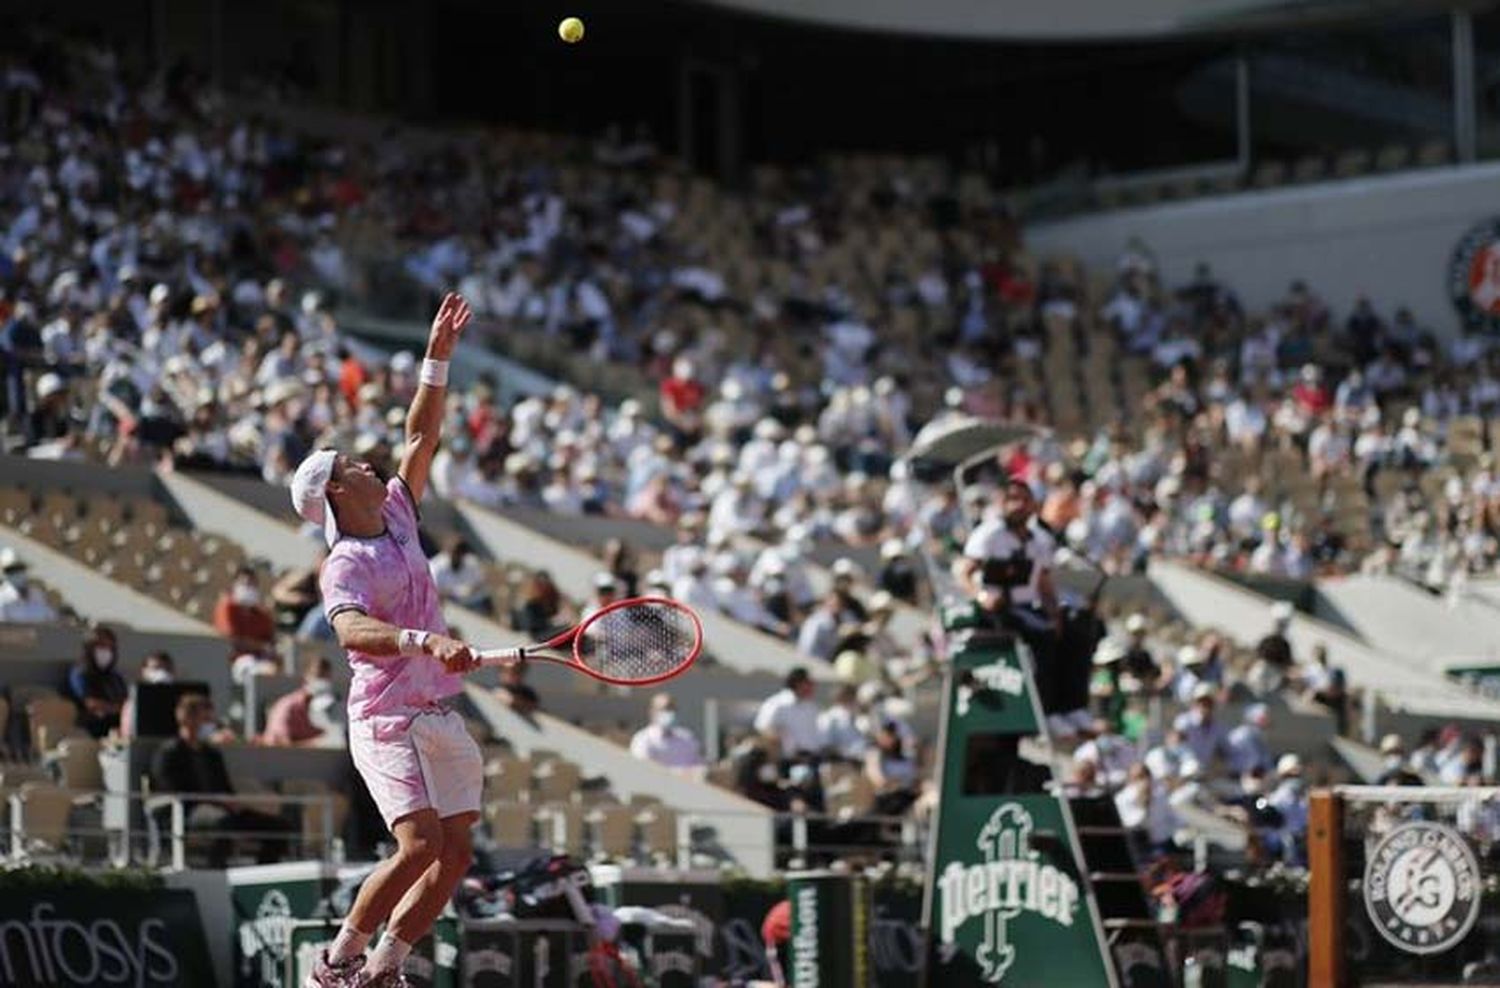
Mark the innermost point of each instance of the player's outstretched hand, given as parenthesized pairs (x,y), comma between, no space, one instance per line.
(452,316)
(455,656)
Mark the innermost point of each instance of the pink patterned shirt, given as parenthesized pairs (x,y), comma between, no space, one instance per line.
(387,578)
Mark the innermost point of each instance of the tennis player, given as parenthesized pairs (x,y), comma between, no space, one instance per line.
(421,766)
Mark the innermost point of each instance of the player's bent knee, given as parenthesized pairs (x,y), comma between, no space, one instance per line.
(420,840)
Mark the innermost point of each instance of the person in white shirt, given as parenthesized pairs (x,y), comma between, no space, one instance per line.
(664,741)
(1201,733)
(1111,754)
(1007,567)
(21,600)
(1245,747)
(840,727)
(1290,798)
(820,630)
(460,576)
(790,716)
(1143,806)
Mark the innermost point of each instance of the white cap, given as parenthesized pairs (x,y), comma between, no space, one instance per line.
(1281,612)
(9,561)
(881,600)
(1189,655)
(310,492)
(1203,691)
(844,566)
(1289,764)
(892,549)
(1109,651)
(1257,714)
(1136,623)
(604,581)
(48,385)
(1391,744)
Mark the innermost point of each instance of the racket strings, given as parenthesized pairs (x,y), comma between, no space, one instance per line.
(638,642)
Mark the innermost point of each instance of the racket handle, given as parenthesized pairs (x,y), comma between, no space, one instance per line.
(501,656)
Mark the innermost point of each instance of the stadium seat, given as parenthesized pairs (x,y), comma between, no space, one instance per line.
(15,504)
(562,827)
(1269,174)
(659,835)
(1352,163)
(510,824)
(51,718)
(1312,168)
(1433,153)
(76,760)
(45,810)
(311,814)
(613,831)
(557,781)
(508,778)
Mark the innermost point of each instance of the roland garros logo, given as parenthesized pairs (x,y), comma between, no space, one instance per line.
(1474,276)
(1011,880)
(1422,887)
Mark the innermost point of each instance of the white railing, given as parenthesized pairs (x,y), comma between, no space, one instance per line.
(120,838)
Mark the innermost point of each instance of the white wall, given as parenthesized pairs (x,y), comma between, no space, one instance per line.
(1390,237)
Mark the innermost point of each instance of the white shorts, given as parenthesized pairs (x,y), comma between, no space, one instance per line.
(429,763)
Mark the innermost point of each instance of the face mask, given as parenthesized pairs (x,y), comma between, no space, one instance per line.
(767,773)
(245,595)
(155,675)
(664,719)
(103,656)
(319,687)
(206,731)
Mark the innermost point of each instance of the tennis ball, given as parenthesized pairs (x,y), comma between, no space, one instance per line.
(570,30)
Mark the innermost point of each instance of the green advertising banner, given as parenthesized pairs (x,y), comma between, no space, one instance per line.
(74,936)
(1005,901)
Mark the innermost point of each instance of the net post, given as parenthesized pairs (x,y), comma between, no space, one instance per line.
(1325,891)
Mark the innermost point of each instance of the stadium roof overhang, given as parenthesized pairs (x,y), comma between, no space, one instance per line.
(1076,20)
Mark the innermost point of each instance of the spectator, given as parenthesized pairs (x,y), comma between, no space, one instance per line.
(1327,685)
(1202,734)
(619,562)
(22,601)
(839,726)
(891,771)
(191,764)
(157,668)
(819,635)
(1290,800)
(664,741)
(460,576)
(1274,649)
(95,685)
(541,608)
(1394,771)
(1139,664)
(1246,747)
(898,573)
(515,692)
(295,595)
(1146,811)
(790,717)
(241,615)
(306,717)
(1007,567)
(1110,753)
(606,592)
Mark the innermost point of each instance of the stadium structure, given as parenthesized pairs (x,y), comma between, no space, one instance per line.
(1072,424)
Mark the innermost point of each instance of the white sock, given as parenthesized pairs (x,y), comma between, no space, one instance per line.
(349,943)
(388,955)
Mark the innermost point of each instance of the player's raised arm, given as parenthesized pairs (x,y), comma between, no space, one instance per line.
(424,421)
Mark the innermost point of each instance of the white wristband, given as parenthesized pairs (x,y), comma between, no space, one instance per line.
(434,373)
(413,641)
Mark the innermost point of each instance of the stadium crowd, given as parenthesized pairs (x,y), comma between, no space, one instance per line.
(167,295)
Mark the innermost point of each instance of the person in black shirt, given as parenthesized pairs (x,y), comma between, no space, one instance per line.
(96,685)
(1274,649)
(190,763)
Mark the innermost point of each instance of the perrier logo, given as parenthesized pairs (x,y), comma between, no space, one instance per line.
(1010,880)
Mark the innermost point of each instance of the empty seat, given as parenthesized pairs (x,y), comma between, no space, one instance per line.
(77,762)
(44,816)
(659,833)
(510,824)
(562,827)
(613,831)
(508,778)
(52,718)
(557,781)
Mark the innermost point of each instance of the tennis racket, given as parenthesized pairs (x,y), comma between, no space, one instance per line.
(633,642)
